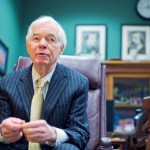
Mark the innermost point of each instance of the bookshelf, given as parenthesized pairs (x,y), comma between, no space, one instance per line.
(127,83)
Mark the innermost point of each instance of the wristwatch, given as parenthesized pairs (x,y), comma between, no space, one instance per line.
(50,143)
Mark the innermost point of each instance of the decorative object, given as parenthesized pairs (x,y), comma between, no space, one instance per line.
(143,8)
(91,40)
(135,42)
(3,58)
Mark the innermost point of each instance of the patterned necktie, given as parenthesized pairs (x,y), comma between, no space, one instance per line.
(36,108)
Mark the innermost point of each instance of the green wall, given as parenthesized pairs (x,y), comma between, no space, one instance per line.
(10,30)
(69,13)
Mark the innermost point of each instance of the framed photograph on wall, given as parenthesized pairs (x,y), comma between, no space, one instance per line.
(91,41)
(135,42)
(3,58)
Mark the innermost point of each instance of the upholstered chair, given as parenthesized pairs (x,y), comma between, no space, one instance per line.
(94,70)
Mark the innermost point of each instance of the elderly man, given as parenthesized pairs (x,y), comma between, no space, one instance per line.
(43,107)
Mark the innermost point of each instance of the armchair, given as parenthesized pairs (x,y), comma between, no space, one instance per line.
(95,72)
(140,139)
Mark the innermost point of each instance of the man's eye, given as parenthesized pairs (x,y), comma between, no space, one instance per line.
(35,39)
(50,39)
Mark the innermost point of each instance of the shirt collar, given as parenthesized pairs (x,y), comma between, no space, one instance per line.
(36,76)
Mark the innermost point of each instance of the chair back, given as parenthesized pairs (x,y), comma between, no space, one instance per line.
(95,71)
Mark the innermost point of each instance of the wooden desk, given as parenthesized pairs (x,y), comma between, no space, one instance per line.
(118,142)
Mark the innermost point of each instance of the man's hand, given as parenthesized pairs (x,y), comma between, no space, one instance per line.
(11,129)
(39,132)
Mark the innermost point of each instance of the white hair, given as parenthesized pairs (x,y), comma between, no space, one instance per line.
(61,33)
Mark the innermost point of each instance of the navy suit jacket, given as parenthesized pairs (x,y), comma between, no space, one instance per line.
(64,107)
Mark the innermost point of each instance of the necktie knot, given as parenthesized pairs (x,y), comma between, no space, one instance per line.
(41,82)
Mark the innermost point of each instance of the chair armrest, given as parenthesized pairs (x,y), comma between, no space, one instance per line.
(105,144)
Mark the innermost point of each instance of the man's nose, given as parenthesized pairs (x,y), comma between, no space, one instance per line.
(43,43)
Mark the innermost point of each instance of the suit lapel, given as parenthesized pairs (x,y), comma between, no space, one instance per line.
(25,88)
(56,87)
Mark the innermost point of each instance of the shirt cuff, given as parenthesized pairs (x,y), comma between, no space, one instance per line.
(61,137)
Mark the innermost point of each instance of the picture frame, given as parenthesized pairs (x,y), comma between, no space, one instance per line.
(3,58)
(91,41)
(135,42)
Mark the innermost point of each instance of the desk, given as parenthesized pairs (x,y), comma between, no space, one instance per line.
(119,142)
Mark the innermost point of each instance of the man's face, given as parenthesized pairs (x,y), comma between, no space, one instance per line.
(43,45)
(92,40)
(136,38)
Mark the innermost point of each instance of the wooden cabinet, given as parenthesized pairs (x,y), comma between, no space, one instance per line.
(124,70)
(127,83)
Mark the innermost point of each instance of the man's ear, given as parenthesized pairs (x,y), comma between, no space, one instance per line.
(61,50)
(27,47)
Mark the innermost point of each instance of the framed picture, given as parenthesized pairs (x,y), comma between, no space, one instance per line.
(135,42)
(3,58)
(91,40)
